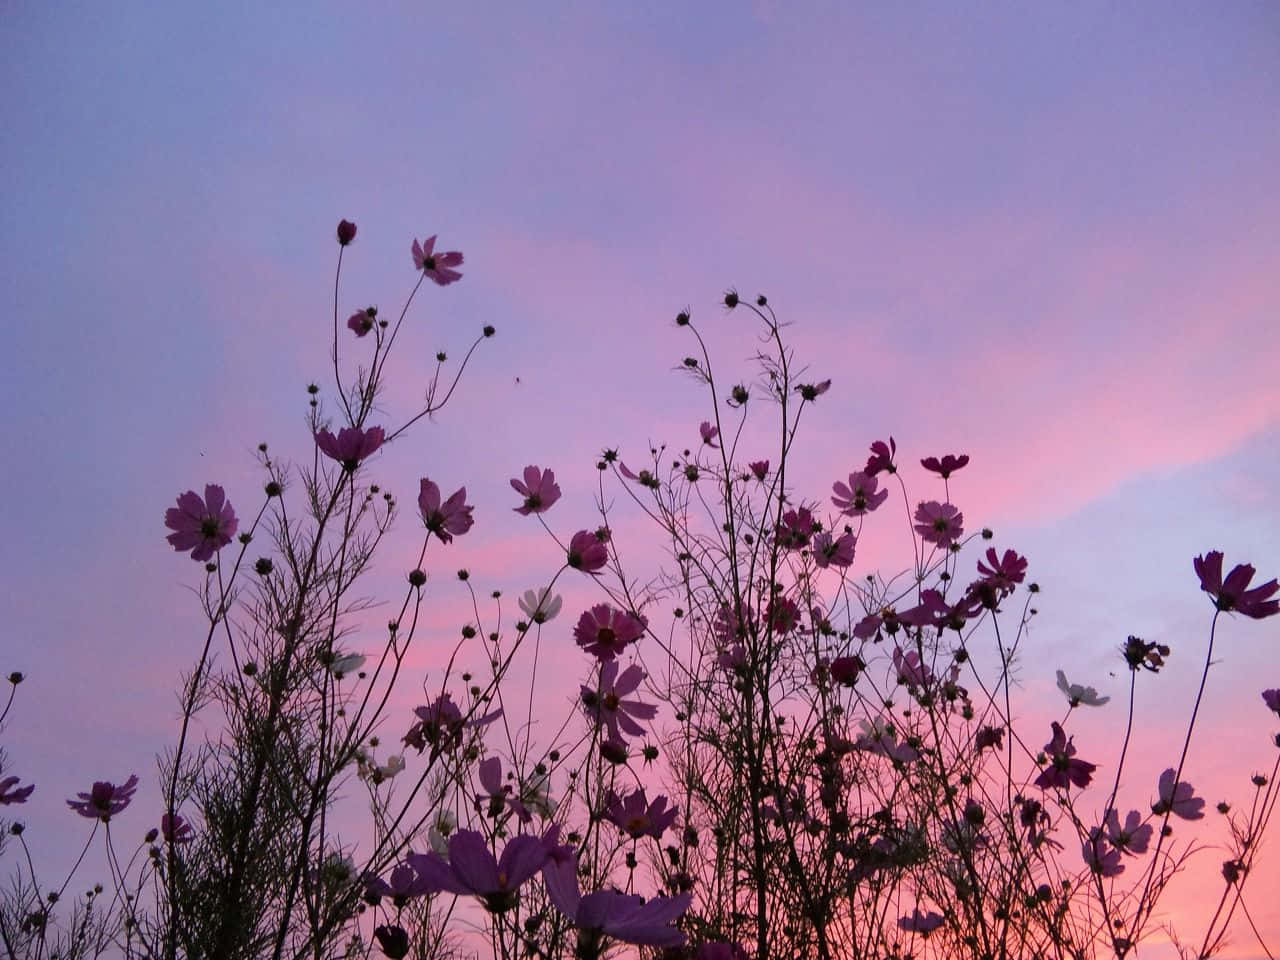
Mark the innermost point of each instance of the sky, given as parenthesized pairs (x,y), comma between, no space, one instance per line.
(1047,236)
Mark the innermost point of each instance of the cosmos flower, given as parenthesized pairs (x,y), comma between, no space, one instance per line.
(606,704)
(202,526)
(881,458)
(105,799)
(608,913)
(10,792)
(438,266)
(923,923)
(540,606)
(362,321)
(345,663)
(587,551)
(393,939)
(1178,798)
(835,553)
(635,816)
(604,631)
(473,870)
(444,519)
(860,496)
(1272,699)
(1133,837)
(1232,594)
(939,523)
(759,468)
(1064,768)
(1003,572)
(709,434)
(1098,857)
(539,490)
(441,725)
(1078,694)
(350,446)
(946,466)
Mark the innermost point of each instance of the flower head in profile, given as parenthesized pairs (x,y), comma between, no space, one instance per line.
(860,496)
(605,631)
(939,523)
(10,792)
(202,526)
(1232,594)
(438,266)
(759,469)
(1002,572)
(608,913)
(881,458)
(1078,694)
(539,489)
(1064,767)
(922,923)
(1133,836)
(473,870)
(393,940)
(446,519)
(345,663)
(812,391)
(834,553)
(404,885)
(946,466)
(350,446)
(1272,699)
(988,738)
(635,816)
(709,434)
(587,550)
(362,321)
(608,705)
(1178,798)
(539,605)
(175,829)
(1102,859)
(105,799)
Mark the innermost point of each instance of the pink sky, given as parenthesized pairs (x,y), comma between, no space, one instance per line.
(1047,237)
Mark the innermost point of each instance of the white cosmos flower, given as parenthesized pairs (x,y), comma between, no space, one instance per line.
(346,663)
(394,764)
(438,833)
(1078,694)
(539,606)
(536,795)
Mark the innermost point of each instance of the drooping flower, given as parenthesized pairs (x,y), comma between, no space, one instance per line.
(607,706)
(635,816)
(939,523)
(175,829)
(10,792)
(1064,768)
(860,496)
(759,468)
(393,939)
(922,923)
(350,446)
(835,553)
(439,832)
(105,800)
(539,489)
(1272,699)
(362,321)
(444,519)
(1133,837)
(608,913)
(202,526)
(881,458)
(709,434)
(604,631)
(1232,594)
(946,466)
(1078,694)
(1178,798)
(540,606)
(1100,858)
(472,869)
(587,551)
(812,391)
(438,266)
(910,669)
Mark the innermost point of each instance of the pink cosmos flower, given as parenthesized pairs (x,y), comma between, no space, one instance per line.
(645,477)
(539,490)
(10,792)
(175,830)
(604,631)
(105,800)
(606,706)
(441,724)
(923,923)
(881,458)
(782,615)
(587,550)
(202,526)
(473,870)
(350,446)
(796,528)
(860,496)
(1064,769)
(946,466)
(444,519)
(709,434)
(760,468)
(1133,837)
(1233,593)
(1179,798)
(939,523)
(498,795)
(880,737)
(362,321)
(872,624)
(846,670)
(635,816)
(405,884)
(438,266)
(608,913)
(1003,572)
(732,658)
(1098,857)
(836,553)
(1272,699)
(909,668)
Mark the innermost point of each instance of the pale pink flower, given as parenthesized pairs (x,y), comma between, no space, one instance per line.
(438,266)
(539,490)
(444,519)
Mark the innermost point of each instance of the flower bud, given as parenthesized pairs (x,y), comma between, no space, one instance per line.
(346,232)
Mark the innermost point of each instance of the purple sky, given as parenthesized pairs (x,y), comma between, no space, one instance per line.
(1048,237)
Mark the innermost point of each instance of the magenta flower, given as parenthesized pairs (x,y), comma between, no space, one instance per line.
(946,466)
(1178,798)
(1133,837)
(441,724)
(760,468)
(472,869)
(350,446)
(608,913)
(587,550)
(202,526)
(1232,594)
(860,496)
(846,670)
(438,266)
(346,232)
(872,624)
(939,523)
(730,625)
(498,796)
(604,631)
(176,829)
(362,321)
(539,490)
(796,528)
(835,553)
(1098,857)
(10,792)
(404,886)
(105,800)
(1064,769)
(910,669)
(635,816)
(709,434)
(444,519)
(1272,699)
(1003,572)
(881,458)
(606,704)
(782,615)
(923,923)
